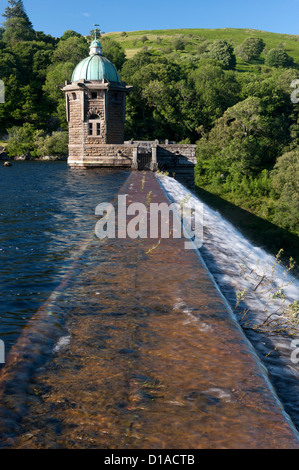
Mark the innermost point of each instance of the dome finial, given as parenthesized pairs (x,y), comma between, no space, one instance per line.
(95,46)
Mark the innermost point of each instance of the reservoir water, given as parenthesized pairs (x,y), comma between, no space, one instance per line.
(47,211)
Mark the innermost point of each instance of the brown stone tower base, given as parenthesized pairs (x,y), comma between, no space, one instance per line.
(96,117)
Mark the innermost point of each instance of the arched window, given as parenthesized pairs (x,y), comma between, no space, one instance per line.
(94,125)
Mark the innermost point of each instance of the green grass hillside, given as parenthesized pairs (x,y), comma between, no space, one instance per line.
(162,41)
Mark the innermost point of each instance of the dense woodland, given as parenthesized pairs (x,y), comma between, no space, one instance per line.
(232,100)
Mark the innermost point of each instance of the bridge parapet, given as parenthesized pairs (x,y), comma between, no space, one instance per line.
(176,154)
(137,155)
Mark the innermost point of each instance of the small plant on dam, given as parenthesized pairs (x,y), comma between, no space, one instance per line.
(281,314)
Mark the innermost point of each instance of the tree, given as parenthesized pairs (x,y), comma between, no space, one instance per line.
(17,25)
(223,52)
(16,9)
(33,59)
(278,58)
(27,139)
(135,64)
(20,140)
(56,76)
(216,90)
(10,113)
(202,47)
(74,49)
(51,145)
(165,101)
(179,44)
(114,52)
(40,63)
(66,56)
(9,64)
(239,145)
(57,143)
(25,56)
(286,186)
(47,38)
(152,109)
(250,49)
(95,33)
(70,34)
(17,30)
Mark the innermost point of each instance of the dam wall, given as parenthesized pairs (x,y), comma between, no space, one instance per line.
(147,354)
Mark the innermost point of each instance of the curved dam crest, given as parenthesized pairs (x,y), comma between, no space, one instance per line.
(150,356)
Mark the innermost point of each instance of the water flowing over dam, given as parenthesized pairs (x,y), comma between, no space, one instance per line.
(237,266)
(138,348)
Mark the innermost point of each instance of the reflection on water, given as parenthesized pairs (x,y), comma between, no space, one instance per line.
(46,213)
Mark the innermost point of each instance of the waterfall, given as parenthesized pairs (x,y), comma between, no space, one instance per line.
(237,267)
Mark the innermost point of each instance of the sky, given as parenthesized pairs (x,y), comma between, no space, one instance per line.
(56,16)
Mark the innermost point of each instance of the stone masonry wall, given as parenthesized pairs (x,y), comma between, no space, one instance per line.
(116,117)
(175,155)
(178,160)
(75,122)
(106,155)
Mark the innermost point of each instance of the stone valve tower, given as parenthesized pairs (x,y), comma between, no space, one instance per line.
(96,108)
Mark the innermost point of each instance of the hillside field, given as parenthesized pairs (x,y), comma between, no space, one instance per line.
(160,41)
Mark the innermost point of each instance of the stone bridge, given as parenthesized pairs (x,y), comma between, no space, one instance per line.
(140,155)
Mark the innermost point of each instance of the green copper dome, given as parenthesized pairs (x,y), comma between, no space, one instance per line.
(95,67)
(95,43)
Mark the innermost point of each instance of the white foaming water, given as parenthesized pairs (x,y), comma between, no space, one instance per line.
(228,255)
(63,342)
(235,263)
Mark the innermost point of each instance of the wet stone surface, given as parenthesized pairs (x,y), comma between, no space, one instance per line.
(151,358)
